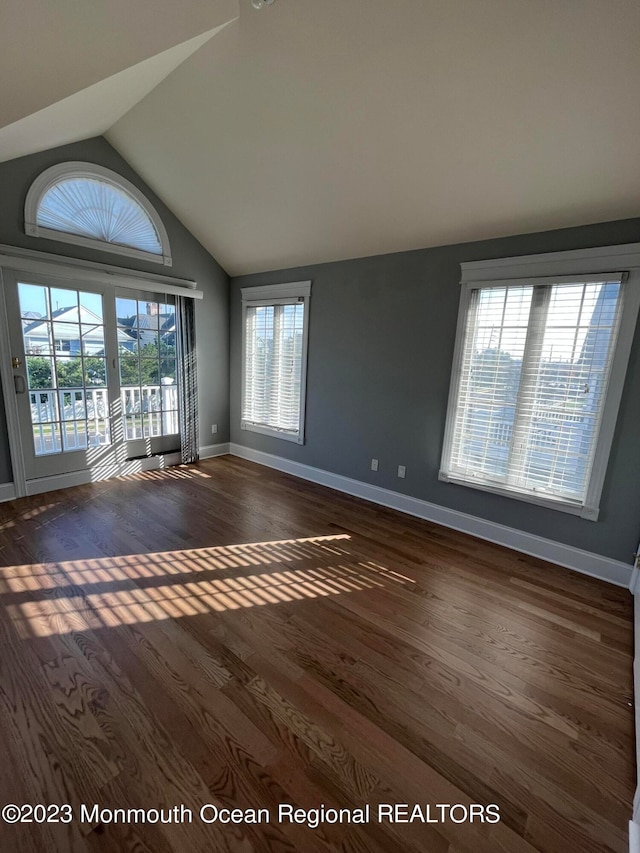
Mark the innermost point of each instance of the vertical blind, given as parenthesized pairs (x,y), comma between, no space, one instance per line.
(535,365)
(187,379)
(273,365)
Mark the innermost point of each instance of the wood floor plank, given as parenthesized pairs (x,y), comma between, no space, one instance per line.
(226,633)
(54,768)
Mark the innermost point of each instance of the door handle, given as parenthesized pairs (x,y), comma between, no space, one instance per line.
(20,384)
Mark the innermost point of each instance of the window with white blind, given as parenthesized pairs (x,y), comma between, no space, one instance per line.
(92,206)
(275,332)
(533,369)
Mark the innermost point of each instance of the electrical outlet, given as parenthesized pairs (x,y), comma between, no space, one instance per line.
(402,471)
(374,464)
(214,429)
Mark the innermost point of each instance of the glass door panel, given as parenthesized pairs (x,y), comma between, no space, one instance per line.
(95,374)
(147,372)
(60,351)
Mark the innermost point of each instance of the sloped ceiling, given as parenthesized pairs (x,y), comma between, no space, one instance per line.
(50,50)
(316,130)
(93,110)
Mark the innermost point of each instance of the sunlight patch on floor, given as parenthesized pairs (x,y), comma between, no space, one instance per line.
(173,472)
(28,515)
(55,598)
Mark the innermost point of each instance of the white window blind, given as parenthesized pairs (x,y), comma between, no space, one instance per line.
(531,384)
(275,336)
(92,206)
(95,208)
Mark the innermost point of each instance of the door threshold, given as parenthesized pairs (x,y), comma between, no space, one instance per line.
(80,478)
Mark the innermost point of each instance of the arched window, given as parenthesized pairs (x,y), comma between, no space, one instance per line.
(92,206)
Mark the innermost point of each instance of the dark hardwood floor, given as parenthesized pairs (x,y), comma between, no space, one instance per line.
(226,634)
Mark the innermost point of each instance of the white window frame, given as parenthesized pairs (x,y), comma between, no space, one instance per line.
(548,269)
(90,274)
(78,169)
(278,294)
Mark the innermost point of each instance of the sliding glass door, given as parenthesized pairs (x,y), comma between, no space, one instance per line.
(148,373)
(61,335)
(95,374)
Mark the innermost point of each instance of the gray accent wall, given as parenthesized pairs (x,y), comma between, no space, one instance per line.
(381,339)
(190,261)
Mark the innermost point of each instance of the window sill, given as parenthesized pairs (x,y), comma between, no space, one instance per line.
(274,433)
(586,512)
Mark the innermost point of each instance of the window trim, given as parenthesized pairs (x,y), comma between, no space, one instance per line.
(78,169)
(15,257)
(548,269)
(277,294)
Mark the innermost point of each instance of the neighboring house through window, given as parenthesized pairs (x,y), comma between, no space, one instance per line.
(275,332)
(71,328)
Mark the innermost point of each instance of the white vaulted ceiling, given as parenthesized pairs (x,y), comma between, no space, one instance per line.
(315,130)
(92,111)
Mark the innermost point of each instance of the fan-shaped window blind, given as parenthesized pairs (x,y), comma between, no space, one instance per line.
(96,209)
(93,206)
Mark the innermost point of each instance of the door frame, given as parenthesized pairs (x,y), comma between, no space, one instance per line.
(45,263)
(9,394)
(67,461)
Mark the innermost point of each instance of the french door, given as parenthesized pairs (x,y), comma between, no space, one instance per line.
(147,409)
(94,372)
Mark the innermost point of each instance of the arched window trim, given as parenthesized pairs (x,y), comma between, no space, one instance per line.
(76,169)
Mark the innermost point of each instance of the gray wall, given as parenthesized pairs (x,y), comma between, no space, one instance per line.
(190,261)
(381,339)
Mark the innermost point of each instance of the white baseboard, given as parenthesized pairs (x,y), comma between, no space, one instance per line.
(79,478)
(133,466)
(7,492)
(211,450)
(581,561)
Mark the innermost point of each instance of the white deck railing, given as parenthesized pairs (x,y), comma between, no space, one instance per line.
(148,412)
